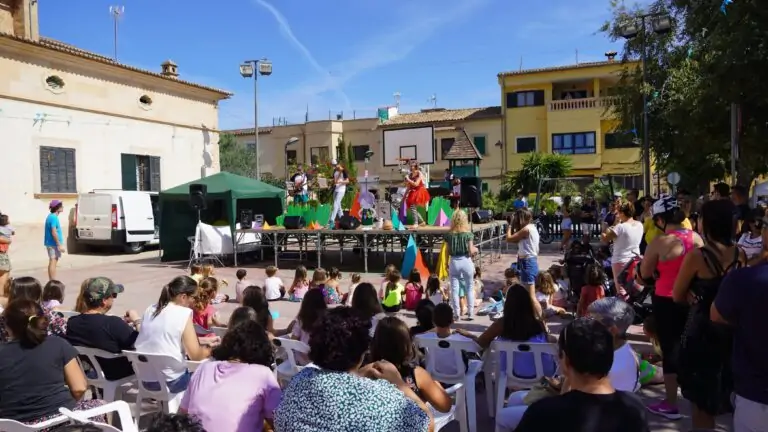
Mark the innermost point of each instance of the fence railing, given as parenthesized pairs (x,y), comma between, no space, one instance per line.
(554,225)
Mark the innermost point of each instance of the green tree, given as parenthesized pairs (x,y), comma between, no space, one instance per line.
(235,157)
(710,60)
(535,166)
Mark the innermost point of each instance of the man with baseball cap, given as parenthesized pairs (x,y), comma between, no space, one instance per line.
(95,329)
(54,237)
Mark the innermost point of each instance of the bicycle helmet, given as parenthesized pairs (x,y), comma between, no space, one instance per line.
(666,210)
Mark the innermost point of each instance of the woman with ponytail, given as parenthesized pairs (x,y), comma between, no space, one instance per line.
(167,328)
(38,373)
(29,288)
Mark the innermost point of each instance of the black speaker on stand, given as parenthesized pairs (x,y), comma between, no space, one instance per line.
(471,192)
(198,196)
(246,218)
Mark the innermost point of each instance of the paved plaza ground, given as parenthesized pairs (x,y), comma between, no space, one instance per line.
(144,275)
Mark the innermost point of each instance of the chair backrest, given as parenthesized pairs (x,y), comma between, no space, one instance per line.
(7,425)
(507,349)
(149,369)
(219,331)
(68,314)
(290,347)
(91,354)
(122,409)
(444,352)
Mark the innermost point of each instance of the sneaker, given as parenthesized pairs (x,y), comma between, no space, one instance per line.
(665,410)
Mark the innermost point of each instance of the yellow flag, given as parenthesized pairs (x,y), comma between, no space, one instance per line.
(442,262)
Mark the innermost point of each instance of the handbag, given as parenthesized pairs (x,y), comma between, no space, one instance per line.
(539,391)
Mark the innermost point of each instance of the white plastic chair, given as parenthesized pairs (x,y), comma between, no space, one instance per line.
(109,388)
(505,378)
(456,413)
(121,407)
(192,365)
(289,368)
(149,368)
(465,375)
(219,331)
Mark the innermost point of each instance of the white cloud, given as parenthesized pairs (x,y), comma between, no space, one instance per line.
(383,48)
(287,31)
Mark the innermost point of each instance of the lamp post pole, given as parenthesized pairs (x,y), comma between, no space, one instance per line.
(254,68)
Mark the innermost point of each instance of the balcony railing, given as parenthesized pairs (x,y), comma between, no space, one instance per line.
(577,104)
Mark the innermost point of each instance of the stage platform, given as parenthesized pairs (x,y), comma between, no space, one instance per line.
(298,244)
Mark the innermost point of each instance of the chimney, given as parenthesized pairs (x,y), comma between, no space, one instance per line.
(611,56)
(169,69)
(19,18)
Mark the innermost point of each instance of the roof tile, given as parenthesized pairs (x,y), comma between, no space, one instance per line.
(442,115)
(559,68)
(247,131)
(462,149)
(73,50)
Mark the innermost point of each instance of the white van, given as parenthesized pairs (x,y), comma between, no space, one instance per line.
(128,219)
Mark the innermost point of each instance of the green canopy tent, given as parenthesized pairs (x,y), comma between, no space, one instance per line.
(227,196)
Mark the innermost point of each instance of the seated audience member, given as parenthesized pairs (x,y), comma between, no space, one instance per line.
(355,279)
(443,320)
(110,333)
(29,288)
(312,309)
(593,290)
(217,393)
(241,284)
(616,316)
(53,294)
(519,323)
(424,317)
(254,298)
(203,313)
(336,391)
(241,315)
(176,423)
(367,304)
(589,402)
(393,343)
(38,373)
(167,328)
(274,289)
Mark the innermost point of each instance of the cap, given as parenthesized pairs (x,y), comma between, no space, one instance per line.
(617,194)
(54,204)
(334,162)
(99,288)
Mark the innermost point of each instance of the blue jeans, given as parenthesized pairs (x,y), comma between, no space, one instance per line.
(462,269)
(177,385)
(337,197)
(529,269)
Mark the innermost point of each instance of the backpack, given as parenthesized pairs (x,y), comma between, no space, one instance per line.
(626,278)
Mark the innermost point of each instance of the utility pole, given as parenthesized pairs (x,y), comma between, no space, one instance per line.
(116,12)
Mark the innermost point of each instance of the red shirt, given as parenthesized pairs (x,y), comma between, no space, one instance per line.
(589,293)
(201,317)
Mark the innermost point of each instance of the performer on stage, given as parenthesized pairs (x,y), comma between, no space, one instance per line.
(455,193)
(340,181)
(417,194)
(300,189)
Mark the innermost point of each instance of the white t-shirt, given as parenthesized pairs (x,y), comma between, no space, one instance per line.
(272,287)
(751,246)
(457,190)
(529,246)
(300,183)
(162,335)
(624,374)
(627,243)
(341,188)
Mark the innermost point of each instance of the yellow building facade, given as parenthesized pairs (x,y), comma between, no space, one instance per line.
(567,110)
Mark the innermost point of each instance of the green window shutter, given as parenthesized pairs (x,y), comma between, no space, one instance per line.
(128,170)
(479,142)
(484,187)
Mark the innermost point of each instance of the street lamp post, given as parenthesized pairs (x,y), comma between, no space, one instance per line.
(291,141)
(254,68)
(661,24)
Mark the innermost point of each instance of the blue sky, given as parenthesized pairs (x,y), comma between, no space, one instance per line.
(339,55)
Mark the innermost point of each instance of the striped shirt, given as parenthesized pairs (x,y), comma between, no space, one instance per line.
(458,243)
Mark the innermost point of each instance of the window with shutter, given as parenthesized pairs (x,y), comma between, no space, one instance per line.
(525,144)
(511,100)
(528,98)
(291,155)
(574,143)
(154,173)
(58,170)
(479,141)
(128,172)
(359,152)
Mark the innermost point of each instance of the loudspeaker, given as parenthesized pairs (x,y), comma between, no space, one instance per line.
(197,196)
(246,218)
(438,191)
(293,222)
(471,192)
(482,216)
(348,223)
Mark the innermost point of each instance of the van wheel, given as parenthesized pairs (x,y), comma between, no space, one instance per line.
(134,248)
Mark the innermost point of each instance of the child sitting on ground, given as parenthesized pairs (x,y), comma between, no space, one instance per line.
(273,285)
(207,272)
(477,285)
(387,272)
(334,281)
(196,272)
(545,291)
(53,294)
(299,286)
(435,292)
(241,284)
(203,312)
(425,313)
(593,290)
(319,279)
(560,297)
(393,293)
(413,290)
(650,373)
(355,282)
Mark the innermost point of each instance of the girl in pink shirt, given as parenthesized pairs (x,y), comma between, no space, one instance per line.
(203,312)
(300,285)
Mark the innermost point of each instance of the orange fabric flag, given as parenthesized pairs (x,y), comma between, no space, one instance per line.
(355,210)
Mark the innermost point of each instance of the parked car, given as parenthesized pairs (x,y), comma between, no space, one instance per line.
(118,218)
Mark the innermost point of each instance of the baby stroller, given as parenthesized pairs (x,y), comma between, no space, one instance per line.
(637,294)
(576,261)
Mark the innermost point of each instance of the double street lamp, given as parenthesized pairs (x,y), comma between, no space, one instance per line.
(254,68)
(660,23)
